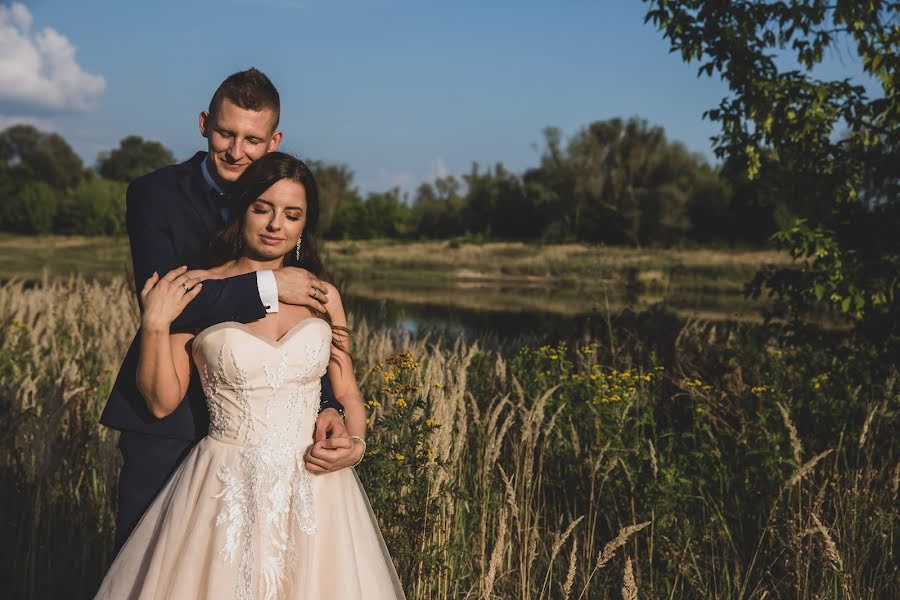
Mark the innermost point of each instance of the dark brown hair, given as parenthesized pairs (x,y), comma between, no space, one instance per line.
(262,174)
(250,90)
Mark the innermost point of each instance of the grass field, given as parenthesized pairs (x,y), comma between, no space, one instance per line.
(567,279)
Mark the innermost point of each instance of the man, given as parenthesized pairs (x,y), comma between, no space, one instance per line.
(171,214)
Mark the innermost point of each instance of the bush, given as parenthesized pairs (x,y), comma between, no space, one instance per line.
(94,207)
(30,210)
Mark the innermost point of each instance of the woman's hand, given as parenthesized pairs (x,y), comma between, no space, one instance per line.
(165,297)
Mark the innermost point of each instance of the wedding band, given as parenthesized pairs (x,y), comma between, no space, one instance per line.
(186,288)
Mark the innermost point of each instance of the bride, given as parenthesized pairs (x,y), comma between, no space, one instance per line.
(244,516)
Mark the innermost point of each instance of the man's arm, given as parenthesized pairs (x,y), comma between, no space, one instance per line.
(153,250)
(328,400)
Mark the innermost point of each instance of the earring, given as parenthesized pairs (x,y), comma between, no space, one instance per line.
(297,253)
(240,244)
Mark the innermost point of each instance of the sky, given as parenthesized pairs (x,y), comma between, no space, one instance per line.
(400,91)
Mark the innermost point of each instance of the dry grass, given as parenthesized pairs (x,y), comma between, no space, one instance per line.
(541,482)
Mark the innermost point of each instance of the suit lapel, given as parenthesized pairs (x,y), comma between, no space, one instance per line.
(191,184)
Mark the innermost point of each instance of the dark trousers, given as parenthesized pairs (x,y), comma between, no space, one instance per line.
(149,461)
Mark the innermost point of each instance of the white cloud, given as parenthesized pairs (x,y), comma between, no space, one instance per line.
(38,71)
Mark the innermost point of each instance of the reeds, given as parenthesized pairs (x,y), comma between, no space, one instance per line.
(549,474)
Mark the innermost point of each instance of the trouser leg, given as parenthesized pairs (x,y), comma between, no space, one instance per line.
(148,462)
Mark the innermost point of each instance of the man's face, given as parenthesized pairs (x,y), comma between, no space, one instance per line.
(236,137)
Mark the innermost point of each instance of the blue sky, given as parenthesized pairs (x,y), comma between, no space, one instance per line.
(400,91)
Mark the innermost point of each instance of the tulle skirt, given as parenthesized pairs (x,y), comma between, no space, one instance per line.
(216,532)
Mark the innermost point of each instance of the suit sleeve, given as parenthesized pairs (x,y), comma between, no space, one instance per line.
(328,400)
(154,249)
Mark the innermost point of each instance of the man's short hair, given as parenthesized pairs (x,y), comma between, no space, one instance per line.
(250,90)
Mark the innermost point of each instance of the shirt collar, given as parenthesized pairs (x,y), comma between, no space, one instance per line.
(208,178)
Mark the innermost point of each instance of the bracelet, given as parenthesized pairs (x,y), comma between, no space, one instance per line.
(359,439)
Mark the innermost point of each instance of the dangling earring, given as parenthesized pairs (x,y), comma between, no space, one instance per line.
(240,243)
(297,253)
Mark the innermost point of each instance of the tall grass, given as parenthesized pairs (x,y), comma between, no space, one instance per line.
(737,467)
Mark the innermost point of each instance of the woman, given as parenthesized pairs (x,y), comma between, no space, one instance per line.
(243,517)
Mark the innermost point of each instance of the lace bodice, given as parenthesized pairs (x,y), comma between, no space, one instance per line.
(258,390)
(263,397)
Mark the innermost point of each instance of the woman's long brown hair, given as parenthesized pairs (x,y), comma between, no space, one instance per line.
(262,174)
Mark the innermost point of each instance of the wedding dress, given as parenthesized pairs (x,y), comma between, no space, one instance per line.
(241,517)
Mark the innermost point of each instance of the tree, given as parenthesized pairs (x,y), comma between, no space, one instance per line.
(31,155)
(335,188)
(134,157)
(438,208)
(784,125)
(95,207)
(618,182)
(29,209)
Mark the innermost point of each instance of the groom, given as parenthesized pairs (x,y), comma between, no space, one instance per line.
(171,214)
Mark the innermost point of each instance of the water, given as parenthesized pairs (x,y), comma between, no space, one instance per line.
(530,326)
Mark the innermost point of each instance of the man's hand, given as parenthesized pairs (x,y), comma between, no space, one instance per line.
(300,287)
(332,449)
(329,424)
(198,275)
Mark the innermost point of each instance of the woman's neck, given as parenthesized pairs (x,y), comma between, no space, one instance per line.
(246,264)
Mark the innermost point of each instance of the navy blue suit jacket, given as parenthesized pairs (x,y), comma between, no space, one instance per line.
(170,218)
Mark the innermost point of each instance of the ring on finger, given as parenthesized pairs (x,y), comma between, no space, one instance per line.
(185,288)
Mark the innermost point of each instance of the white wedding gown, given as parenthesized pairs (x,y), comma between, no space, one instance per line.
(241,517)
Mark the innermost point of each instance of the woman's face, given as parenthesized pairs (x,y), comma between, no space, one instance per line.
(276,219)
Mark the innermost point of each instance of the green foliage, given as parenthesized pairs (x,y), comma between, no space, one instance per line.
(399,458)
(438,209)
(27,154)
(614,182)
(618,182)
(30,209)
(44,189)
(95,207)
(743,451)
(380,215)
(335,188)
(781,125)
(134,157)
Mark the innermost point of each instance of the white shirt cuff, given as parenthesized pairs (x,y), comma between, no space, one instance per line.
(268,290)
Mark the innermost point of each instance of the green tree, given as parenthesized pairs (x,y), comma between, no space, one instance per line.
(496,205)
(438,207)
(379,215)
(29,209)
(618,182)
(95,207)
(335,189)
(387,215)
(785,126)
(31,155)
(134,157)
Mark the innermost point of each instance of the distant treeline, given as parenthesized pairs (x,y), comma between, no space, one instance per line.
(613,182)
